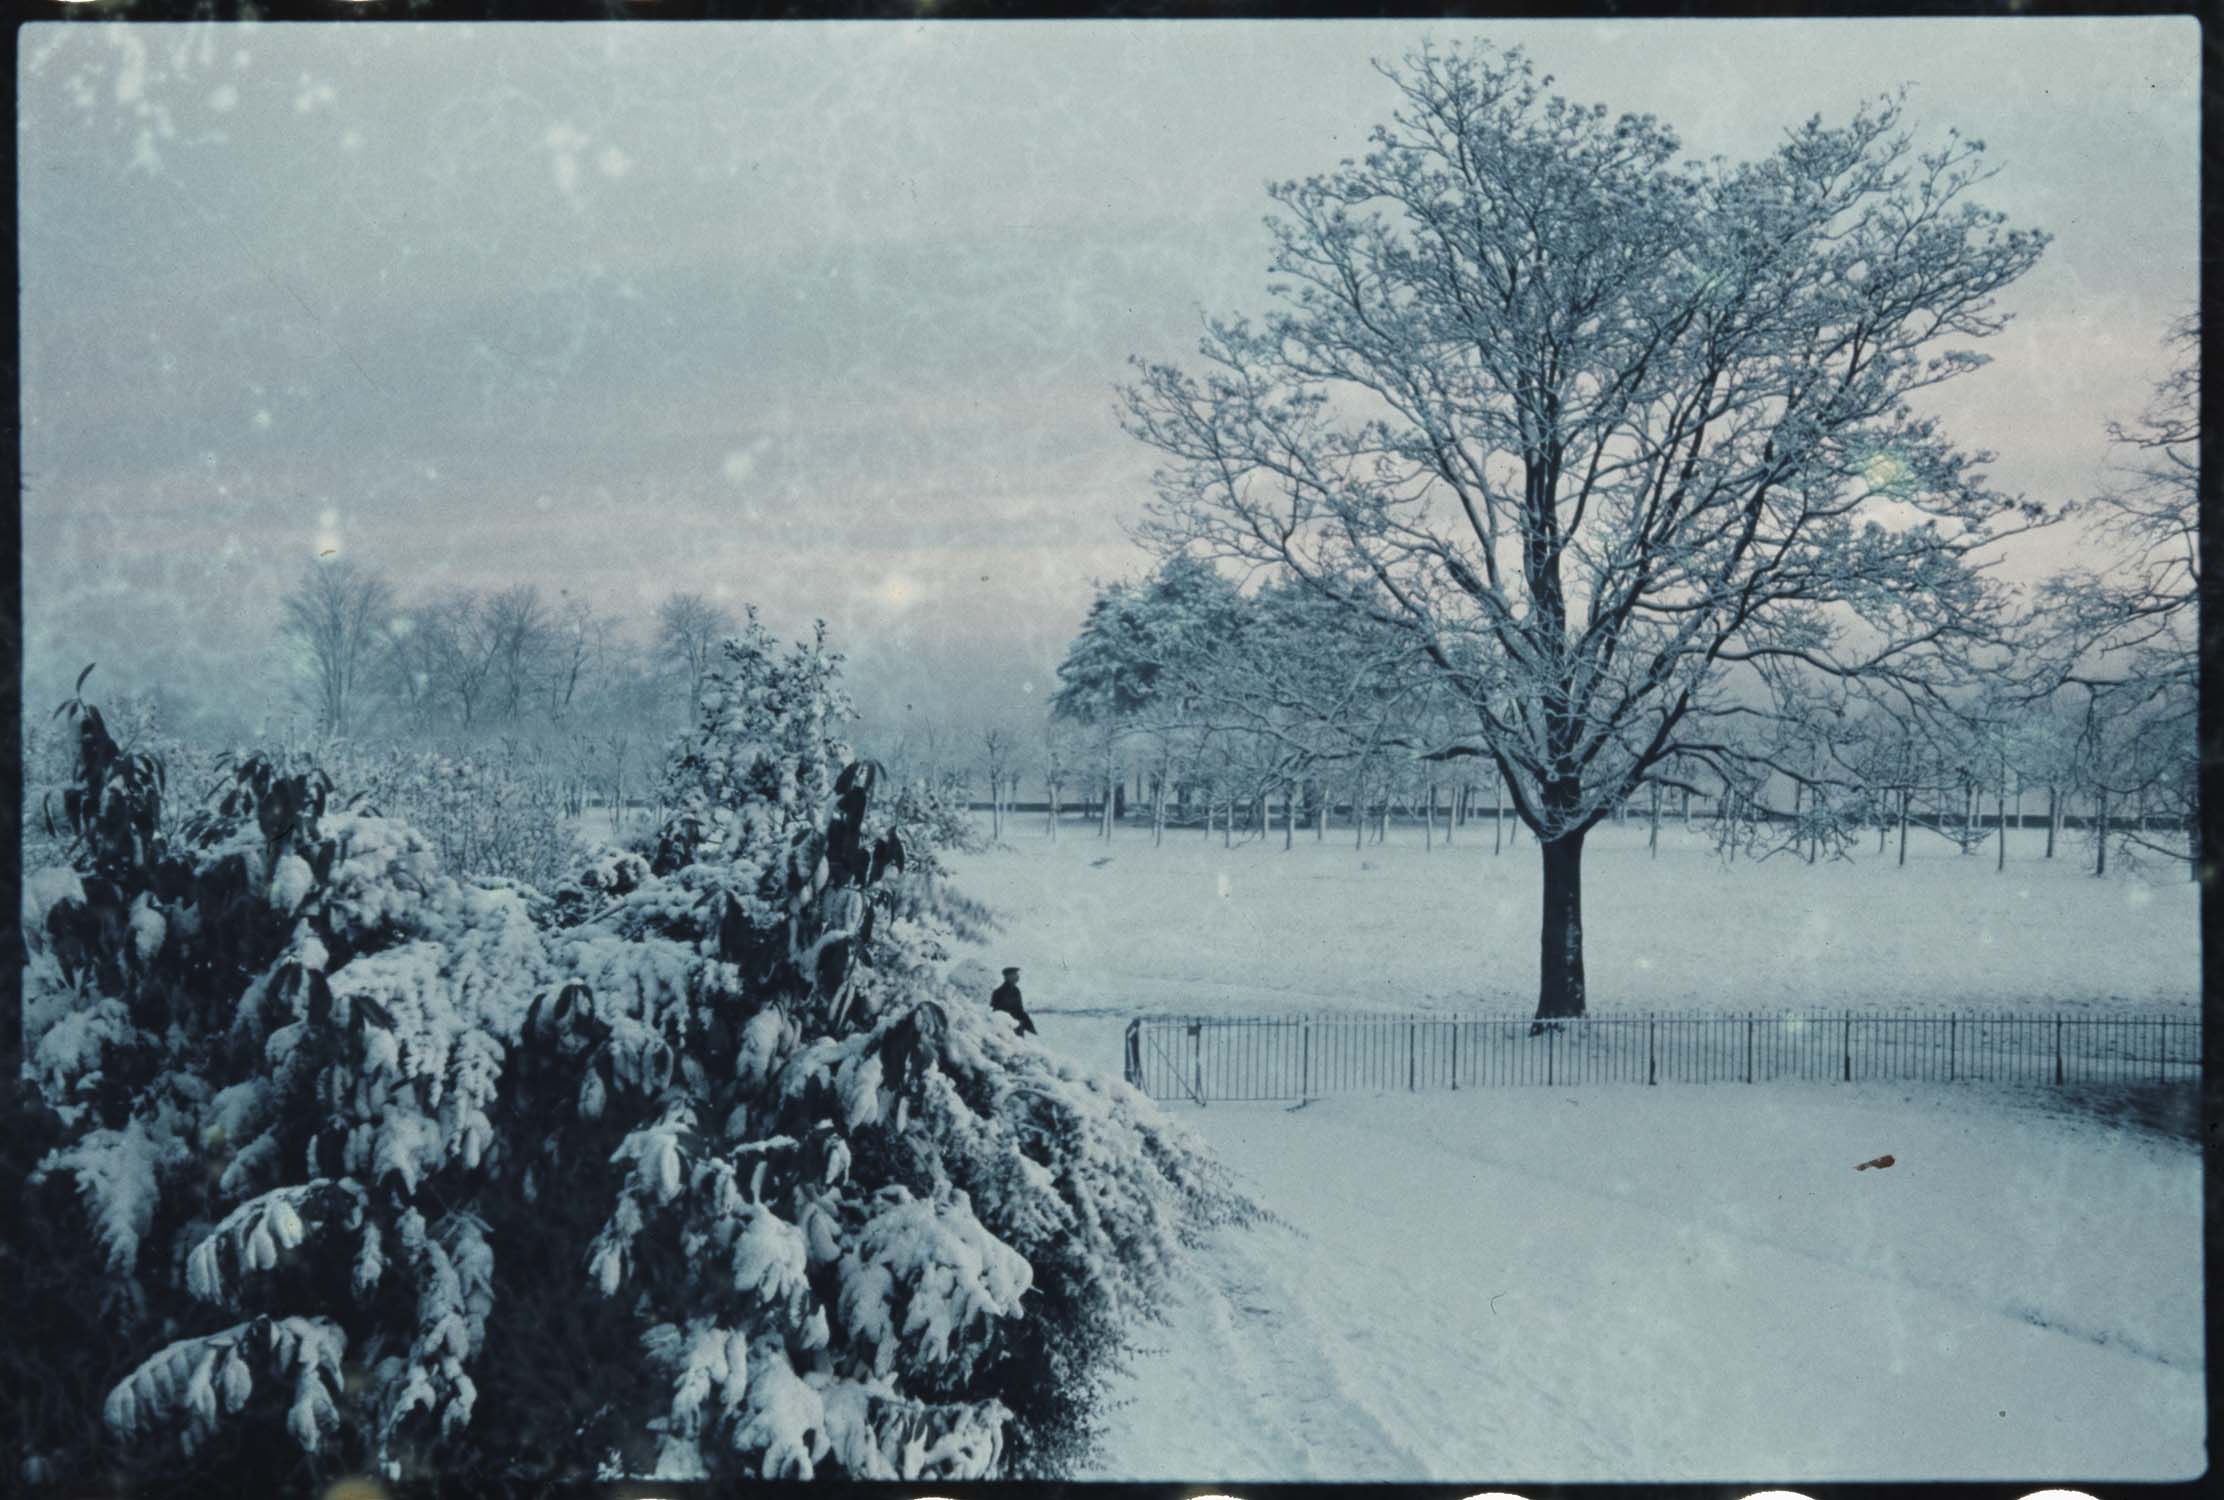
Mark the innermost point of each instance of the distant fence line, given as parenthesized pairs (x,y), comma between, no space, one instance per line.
(1202,1058)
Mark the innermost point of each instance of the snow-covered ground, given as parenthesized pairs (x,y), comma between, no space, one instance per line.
(1687,1283)
(1615,1282)
(1194,927)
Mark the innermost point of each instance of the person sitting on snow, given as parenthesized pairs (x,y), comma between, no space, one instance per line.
(1006,999)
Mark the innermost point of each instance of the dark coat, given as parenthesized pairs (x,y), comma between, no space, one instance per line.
(1006,999)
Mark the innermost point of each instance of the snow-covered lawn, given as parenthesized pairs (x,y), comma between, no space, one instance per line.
(1194,927)
(1688,1283)
(1611,1282)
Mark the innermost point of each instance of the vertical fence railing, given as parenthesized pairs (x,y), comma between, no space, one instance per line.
(1202,1059)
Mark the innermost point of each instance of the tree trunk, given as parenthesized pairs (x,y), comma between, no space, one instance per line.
(1498,816)
(1320,818)
(2053,818)
(1358,817)
(1054,812)
(2193,828)
(1289,816)
(2100,819)
(1452,812)
(1815,811)
(1560,970)
(1228,827)
(2000,855)
(1428,818)
(1905,793)
(1652,837)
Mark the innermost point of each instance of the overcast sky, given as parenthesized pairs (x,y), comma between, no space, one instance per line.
(829,317)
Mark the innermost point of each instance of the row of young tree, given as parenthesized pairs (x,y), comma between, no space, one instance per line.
(1564,455)
(1189,723)
(335,1159)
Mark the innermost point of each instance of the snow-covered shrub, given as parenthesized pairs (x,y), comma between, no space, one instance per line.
(934,817)
(271,1043)
(939,808)
(48,761)
(860,1228)
(697,1167)
(56,1362)
(50,764)
(490,811)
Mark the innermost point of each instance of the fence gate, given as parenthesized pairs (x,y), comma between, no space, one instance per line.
(1207,1058)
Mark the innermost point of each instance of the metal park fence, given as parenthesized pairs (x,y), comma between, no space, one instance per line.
(1201,1059)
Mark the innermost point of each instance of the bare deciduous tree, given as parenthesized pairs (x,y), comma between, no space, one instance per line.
(688,630)
(1604,432)
(1057,764)
(339,617)
(519,638)
(999,755)
(2126,632)
(582,646)
(458,642)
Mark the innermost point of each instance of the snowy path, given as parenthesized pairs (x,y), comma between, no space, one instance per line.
(1688,1285)
(1280,1406)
